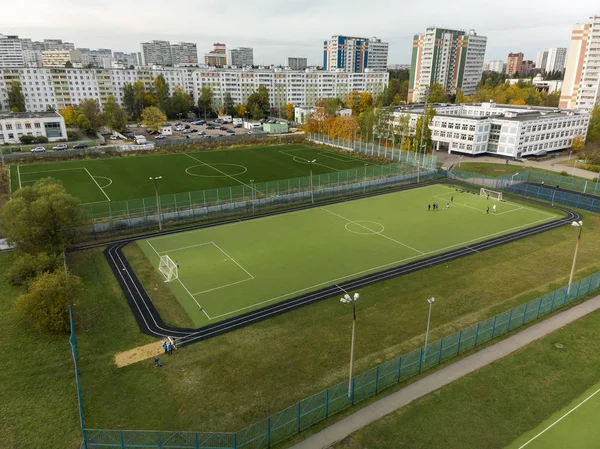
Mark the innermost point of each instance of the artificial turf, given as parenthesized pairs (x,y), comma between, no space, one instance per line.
(235,268)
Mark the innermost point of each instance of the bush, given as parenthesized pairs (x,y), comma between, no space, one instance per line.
(28,266)
(27,140)
(72,136)
(41,139)
(45,305)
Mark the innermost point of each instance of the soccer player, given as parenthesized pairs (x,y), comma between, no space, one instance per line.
(447,205)
(177,264)
(428,207)
(487,211)
(494,208)
(488,196)
(452,198)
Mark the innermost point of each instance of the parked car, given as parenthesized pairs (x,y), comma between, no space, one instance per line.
(80,146)
(60,147)
(237,126)
(231,131)
(201,133)
(38,150)
(193,130)
(223,128)
(160,137)
(113,137)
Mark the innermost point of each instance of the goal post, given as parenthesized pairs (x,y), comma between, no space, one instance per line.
(168,268)
(491,194)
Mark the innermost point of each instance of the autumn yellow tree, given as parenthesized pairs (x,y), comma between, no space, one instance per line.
(153,118)
(352,101)
(241,110)
(365,101)
(577,144)
(68,114)
(289,111)
(344,127)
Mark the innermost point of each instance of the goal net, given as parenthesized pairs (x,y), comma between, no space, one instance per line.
(168,268)
(491,194)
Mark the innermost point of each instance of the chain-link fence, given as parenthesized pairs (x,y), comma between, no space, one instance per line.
(319,406)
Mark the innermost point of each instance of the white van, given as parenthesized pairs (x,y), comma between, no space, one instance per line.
(140,140)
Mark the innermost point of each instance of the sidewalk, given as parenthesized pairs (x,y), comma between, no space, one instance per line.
(445,376)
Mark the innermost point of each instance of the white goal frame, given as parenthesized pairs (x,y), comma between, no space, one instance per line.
(492,194)
(168,268)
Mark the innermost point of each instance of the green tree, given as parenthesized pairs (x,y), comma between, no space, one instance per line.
(423,126)
(91,110)
(258,103)
(180,102)
(593,134)
(16,99)
(82,122)
(366,121)
(437,94)
(577,144)
(205,100)
(41,218)
(241,110)
(161,92)
(114,114)
(68,65)
(45,305)
(128,99)
(153,118)
(383,122)
(330,105)
(28,266)
(402,129)
(139,93)
(228,104)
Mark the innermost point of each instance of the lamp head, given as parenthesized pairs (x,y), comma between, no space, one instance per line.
(431,300)
(314,160)
(577,224)
(356,296)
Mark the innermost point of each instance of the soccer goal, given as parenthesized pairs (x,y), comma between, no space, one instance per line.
(168,268)
(491,194)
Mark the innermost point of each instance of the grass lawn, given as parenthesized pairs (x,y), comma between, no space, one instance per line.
(233,380)
(39,397)
(498,170)
(498,403)
(103,181)
(236,268)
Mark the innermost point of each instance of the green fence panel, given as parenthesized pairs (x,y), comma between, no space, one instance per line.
(388,374)
(532,310)
(560,298)
(431,355)
(546,303)
(284,424)
(103,438)
(365,385)
(485,331)
(468,338)
(501,323)
(313,409)
(254,436)
(410,364)
(517,317)
(339,399)
(450,346)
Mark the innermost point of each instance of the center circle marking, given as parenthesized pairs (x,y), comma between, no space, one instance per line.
(362,227)
(241,170)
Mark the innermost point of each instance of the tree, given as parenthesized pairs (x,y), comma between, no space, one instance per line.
(577,144)
(139,92)
(461,98)
(114,114)
(344,127)
(46,302)
(153,118)
(289,112)
(16,99)
(161,91)
(41,218)
(365,101)
(82,122)
(128,99)
(383,122)
(228,105)
(68,114)
(437,94)
(91,110)
(241,110)
(366,121)
(330,105)
(180,102)
(28,266)
(593,134)
(352,101)
(258,103)
(205,100)
(422,130)
(68,65)
(49,108)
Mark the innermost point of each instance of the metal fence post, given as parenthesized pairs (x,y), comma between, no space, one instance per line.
(326,403)
(235,440)
(399,368)
(476,334)
(353,379)
(494,326)
(420,358)
(510,318)
(458,344)
(122,440)
(377,380)
(269,431)
(440,355)
(298,417)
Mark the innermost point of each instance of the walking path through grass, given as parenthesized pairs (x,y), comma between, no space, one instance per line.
(445,376)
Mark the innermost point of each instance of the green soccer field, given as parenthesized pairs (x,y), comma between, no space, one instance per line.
(102,181)
(574,427)
(231,269)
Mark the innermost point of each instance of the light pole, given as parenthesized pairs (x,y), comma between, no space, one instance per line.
(577,224)
(419,164)
(347,299)
(365,180)
(460,160)
(312,197)
(252,194)
(155,179)
(430,301)
(512,178)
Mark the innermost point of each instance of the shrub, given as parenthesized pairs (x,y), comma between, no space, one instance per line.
(27,140)
(72,136)
(41,139)
(28,266)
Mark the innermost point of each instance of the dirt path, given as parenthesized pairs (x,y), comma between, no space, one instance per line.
(138,354)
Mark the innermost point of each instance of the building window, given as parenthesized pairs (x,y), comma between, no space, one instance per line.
(18,126)
(52,129)
(27,125)
(37,125)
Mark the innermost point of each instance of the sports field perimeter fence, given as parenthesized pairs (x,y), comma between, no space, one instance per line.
(522,184)
(319,406)
(250,198)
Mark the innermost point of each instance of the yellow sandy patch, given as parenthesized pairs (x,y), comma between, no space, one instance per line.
(138,354)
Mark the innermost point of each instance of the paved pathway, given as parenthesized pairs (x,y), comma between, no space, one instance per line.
(549,164)
(444,376)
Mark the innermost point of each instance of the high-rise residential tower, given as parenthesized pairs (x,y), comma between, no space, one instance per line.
(451,58)
(296,63)
(581,85)
(514,63)
(184,53)
(557,58)
(11,51)
(541,60)
(353,54)
(240,57)
(217,57)
(156,53)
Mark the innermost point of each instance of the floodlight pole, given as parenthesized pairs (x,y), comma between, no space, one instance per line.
(155,179)
(512,178)
(252,194)
(365,180)
(347,299)
(312,197)
(430,301)
(580,225)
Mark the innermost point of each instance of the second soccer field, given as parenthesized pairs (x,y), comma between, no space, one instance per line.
(235,268)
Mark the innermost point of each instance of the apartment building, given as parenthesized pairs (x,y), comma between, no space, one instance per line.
(156,53)
(11,51)
(294,63)
(126,59)
(101,58)
(494,66)
(451,58)
(240,57)
(14,125)
(557,58)
(64,87)
(514,63)
(60,58)
(217,57)
(353,54)
(506,130)
(581,87)
(184,53)
(542,59)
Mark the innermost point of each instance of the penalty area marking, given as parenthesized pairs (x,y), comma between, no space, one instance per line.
(244,169)
(301,160)
(96,182)
(110,181)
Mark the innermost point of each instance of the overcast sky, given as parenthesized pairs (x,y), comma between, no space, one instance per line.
(276,29)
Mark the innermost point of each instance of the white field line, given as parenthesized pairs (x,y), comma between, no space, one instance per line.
(378,233)
(184,247)
(334,281)
(509,211)
(232,259)
(96,182)
(104,177)
(338,157)
(306,161)
(52,171)
(19,175)
(94,202)
(221,286)
(562,417)
(182,284)
(222,172)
